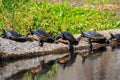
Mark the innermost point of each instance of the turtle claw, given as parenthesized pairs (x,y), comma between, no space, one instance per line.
(56,42)
(69,57)
(41,44)
(83,60)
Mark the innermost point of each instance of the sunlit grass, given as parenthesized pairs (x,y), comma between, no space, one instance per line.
(54,18)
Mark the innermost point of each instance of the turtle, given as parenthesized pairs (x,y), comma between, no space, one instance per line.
(13,35)
(93,37)
(115,36)
(66,37)
(40,35)
(114,40)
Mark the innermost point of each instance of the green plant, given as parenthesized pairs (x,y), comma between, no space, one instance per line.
(53,18)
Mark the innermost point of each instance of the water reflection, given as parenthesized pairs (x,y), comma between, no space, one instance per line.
(65,62)
(94,54)
(37,66)
(42,68)
(103,64)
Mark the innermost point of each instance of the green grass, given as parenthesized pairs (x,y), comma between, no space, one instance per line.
(97,1)
(53,18)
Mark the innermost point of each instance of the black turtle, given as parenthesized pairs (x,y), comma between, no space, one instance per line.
(94,37)
(40,36)
(114,40)
(13,35)
(115,37)
(67,38)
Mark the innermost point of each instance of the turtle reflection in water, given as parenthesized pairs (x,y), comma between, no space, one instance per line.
(42,68)
(40,36)
(13,35)
(95,54)
(65,61)
(67,38)
(93,37)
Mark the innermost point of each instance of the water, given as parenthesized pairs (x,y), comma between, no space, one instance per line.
(103,64)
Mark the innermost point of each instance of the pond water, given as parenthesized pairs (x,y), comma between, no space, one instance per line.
(103,64)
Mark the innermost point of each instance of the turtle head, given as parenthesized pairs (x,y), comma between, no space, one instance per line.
(3,33)
(29,35)
(82,33)
(30,30)
(112,36)
(57,38)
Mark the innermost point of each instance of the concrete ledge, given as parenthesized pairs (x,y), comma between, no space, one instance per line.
(16,50)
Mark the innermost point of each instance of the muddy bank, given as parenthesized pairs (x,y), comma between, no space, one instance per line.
(16,50)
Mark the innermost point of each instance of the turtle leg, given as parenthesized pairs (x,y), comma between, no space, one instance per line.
(64,66)
(40,42)
(83,59)
(89,46)
(71,50)
(2,35)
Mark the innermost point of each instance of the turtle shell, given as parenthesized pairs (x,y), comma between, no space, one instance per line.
(42,35)
(117,36)
(11,34)
(14,35)
(95,37)
(68,36)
